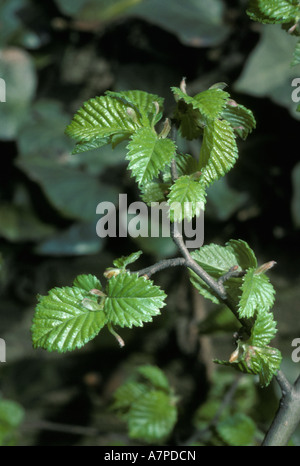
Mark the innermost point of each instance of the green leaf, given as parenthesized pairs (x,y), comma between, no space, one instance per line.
(263,330)
(217,260)
(87,282)
(257,294)
(155,376)
(99,118)
(188,120)
(263,361)
(240,118)
(210,103)
(62,322)
(273,11)
(152,417)
(218,152)
(186,199)
(237,430)
(123,261)
(91,145)
(186,164)
(132,300)
(148,154)
(244,254)
(155,192)
(143,103)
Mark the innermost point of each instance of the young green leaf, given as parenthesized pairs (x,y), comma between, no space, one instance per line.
(257,294)
(152,416)
(87,282)
(83,146)
(154,192)
(218,152)
(240,118)
(99,119)
(123,261)
(217,260)
(244,254)
(132,300)
(148,106)
(186,199)
(263,361)
(63,323)
(188,120)
(148,154)
(210,103)
(263,330)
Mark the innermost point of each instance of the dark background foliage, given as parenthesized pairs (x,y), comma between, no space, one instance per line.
(54,56)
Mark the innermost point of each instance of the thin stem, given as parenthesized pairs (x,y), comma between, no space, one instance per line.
(215,286)
(164,264)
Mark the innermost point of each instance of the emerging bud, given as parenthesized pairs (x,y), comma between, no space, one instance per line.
(232,103)
(166,129)
(111,272)
(183,85)
(132,115)
(96,292)
(265,267)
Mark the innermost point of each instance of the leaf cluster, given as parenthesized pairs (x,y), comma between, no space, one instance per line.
(251,295)
(68,317)
(133,115)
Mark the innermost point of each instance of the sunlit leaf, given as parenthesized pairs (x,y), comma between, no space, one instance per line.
(218,152)
(148,154)
(186,199)
(63,323)
(132,300)
(257,294)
